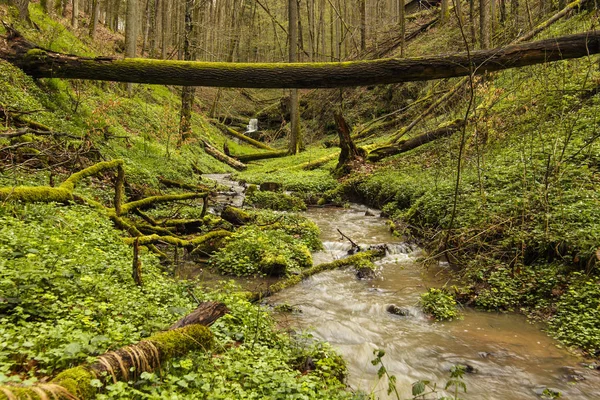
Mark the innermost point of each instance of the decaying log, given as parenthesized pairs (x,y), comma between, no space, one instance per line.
(170,183)
(232,162)
(406,145)
(294,280)
(232,132)
(190,333)
(262,156)
(41,63)
(236,216)
(205,314)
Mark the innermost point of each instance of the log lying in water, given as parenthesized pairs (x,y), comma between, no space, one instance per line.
(296,279)
(42,63)
(188,334)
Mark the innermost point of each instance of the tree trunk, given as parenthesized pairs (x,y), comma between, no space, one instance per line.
(363,25)
(46,64)
(295,135)
(188,92)
(232,162)
(349,152)
(75,14)
(166,27)
(131,32)
(94,18)
(445,11)
(484,23)
(415,142)
(402,26)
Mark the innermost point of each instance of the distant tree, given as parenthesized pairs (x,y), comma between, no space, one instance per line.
(402,25)
(23,7)
(131,29)
(75,14)
(94,17)
(47,6)
(188,92)
(484,23)
(295,134)
(445,11)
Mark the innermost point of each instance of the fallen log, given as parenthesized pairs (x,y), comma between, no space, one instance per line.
(262,156)
(232,132)
(190,333)
(42,63)
(406,145)
(224,158)
(296,279)
(236,216)
(170,183)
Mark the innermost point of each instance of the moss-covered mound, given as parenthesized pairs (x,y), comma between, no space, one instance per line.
(254,251)
(275,201)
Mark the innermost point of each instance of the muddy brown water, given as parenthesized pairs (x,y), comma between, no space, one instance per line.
(511,358)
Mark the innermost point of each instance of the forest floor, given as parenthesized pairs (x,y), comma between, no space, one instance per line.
(521,229)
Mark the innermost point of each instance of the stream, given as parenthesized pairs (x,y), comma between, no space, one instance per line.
(511,358)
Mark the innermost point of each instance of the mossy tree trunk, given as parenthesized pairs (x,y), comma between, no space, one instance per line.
(295,133)
(349,152)
(23,7)
(41,63)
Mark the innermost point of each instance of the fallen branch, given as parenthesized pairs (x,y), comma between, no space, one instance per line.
(27,130)
(294,280)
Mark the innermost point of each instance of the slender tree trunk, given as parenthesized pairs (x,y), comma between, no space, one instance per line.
(95,17)
(363,25)
(445,11)
(166,27)
(402,26)
(188,92)
(472,22)
(295,134)
(484,23)
(75,14)
(131,33)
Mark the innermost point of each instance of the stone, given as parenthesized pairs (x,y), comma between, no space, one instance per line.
(401,311)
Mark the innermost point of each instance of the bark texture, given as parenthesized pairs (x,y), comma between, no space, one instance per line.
(42,63)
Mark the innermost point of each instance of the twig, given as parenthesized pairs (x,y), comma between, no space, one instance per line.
(354,245)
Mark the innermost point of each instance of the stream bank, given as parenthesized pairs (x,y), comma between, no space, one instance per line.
(506,356)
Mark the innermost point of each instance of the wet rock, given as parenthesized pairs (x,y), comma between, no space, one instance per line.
(484,354)
(368,213)
(469,369)
(365,273)
(270,187)
(570,374)
(545,392)
(401,311)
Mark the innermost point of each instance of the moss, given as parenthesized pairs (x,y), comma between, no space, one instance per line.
(160,199)
(32,194)
(70,183)
(275,201)
(180,341)
(236,216)
(77,382)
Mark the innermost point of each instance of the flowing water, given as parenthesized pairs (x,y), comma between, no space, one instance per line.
(511,359)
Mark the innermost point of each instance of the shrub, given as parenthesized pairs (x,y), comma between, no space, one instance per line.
(252,251)
(439,304)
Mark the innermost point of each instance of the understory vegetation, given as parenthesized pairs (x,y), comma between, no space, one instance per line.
(511,202)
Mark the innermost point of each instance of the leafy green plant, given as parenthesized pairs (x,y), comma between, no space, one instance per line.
(439,304)
(254,251)
(275,201)
(382,371)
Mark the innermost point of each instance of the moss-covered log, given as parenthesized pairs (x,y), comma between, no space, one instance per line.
(406,145)
(224,158)
(150,201)
(41,63)
(262,156)
(236,216)
(296,279)
(232,132)
(170,183)
(190,333)
(175,241)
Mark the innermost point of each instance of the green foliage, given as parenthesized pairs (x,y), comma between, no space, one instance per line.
(67,291)
(577,318)
(275,201)
(293,224)
(439,304)
(252,251)
(253,361)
